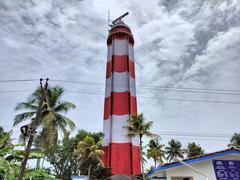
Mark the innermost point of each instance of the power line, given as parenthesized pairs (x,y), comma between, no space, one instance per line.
(171,133)
(169,99)
(191,91)
(195,138)
(174,89)
(160,88)
(16,91)
(155,87)
(145,97)
(208,135)
(186,136)
(186,91)
(193,100)
(18,80)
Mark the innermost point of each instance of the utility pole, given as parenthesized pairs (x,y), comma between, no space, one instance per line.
(33,128)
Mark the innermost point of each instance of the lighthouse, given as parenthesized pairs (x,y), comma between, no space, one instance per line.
(121,153)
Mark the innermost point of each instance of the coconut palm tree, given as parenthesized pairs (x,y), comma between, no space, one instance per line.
(138,126)
(174,150)
(88,150)
(235,140)
(51,118)
(155,151)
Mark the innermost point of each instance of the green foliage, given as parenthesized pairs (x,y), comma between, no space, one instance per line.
(5,141)
(10,157)
(138,126)
(235,140)
(17,154)
(38,174)
(65,162)
(194,150)
(8,170)
(89,150)
(174,150)
(46,110)
(100,173)
(82,134)
(62,158)
(52,119)
(155,151)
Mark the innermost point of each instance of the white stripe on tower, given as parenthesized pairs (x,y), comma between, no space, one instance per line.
(125,82)
(121,47)
(118,132)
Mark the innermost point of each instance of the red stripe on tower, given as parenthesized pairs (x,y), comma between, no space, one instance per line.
(122,153)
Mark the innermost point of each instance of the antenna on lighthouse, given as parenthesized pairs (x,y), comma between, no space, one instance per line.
(119,19)
(109,21)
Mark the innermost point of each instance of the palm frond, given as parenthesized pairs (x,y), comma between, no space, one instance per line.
(89,149)
(65,120)
(26,105)
(36,96)
(64,107)
(54,95)
(22,117)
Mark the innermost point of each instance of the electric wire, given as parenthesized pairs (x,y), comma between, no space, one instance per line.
(18,80)
(175,133)
(16,91)
(187,136)
(145,97)
(166,88)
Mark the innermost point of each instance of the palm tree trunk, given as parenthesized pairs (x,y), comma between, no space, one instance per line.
(26,155)
(141,154)
(155,163)
(33,129)
(89,171)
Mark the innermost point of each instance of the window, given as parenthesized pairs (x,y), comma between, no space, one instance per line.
(181,178)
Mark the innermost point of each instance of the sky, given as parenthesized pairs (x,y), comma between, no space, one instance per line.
(178,43)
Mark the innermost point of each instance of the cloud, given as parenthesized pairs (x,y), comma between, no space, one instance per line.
(178,43)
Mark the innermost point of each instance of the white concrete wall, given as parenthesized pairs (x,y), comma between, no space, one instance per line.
(206,167)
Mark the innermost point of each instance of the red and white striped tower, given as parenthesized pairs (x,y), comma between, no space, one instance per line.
(122,153)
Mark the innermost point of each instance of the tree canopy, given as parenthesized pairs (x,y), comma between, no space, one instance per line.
(194,149)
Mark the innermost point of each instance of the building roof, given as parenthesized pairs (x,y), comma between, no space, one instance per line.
(195,159)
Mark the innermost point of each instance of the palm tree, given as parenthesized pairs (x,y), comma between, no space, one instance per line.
(174,150)
(235,140)
(88,150)
(51,118)
(138,126)
(155,151)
